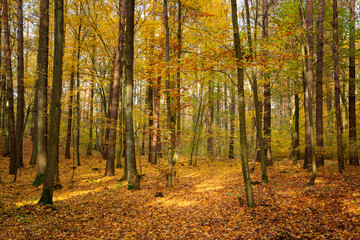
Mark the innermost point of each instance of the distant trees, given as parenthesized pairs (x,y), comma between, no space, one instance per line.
(182,54)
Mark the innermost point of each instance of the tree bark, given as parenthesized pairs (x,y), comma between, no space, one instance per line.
(267,91)
(170,104)
(319,85)
(10,91)
(232,125)
(210,120)
(133,176)
(259,133)
(178,71)
(353,153)
(55,109)
(70,113)
(78,109)
(337,90)
(20,85)
(43,53)
(241,95)
(114,101)
(296,144)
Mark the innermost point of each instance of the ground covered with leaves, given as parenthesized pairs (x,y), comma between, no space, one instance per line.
(207,202)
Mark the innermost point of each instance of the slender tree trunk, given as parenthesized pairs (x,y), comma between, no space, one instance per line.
(132,174)
(296,144)
(210,120)
(92,102)
(337,89)
(353,153)
(232,125)
(10,91)
(259,134)
(107,120)
(319,85)
(70,113)
(114,101)
(170,104)
(78,113)
(55,109)
(267,92)
(20,85)
(241,94)
(309,133)
(34,128)
(150,107)
(156,117)
(178,70)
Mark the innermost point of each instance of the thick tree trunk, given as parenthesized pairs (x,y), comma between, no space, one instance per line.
(353,153)
(55,109)
(337,89)
(133,176)
(43,53)
(70,113)
(10,91)
(20,85)
(114,101)
(241,95)
(319,85)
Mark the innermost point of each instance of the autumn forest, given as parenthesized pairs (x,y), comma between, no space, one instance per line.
(179,119)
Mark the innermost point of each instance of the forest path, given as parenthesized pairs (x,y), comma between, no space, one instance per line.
(207,202)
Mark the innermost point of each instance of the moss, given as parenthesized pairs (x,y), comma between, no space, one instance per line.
(46,197)
(39,180)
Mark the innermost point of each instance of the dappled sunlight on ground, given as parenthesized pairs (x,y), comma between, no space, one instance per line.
(207,202)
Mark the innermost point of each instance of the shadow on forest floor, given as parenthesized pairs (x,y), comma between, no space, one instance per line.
(207,202)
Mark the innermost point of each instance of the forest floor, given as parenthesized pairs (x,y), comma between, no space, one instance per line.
(207,202)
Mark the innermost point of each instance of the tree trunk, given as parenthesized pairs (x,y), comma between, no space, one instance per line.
(78,113)
(232,125)
(92,102)
(132,174)
(20,85)
(259,134)
(210,120)
(309,128)
(42,88)
(337,89)
(178,70)
(70,113)
(10,91)
(114,101)
(296,144)
(170,105)
(353,153)
(267,92)
(319,85)
(55,109)
(241,94)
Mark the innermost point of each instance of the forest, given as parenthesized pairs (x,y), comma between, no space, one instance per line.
(179,119)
